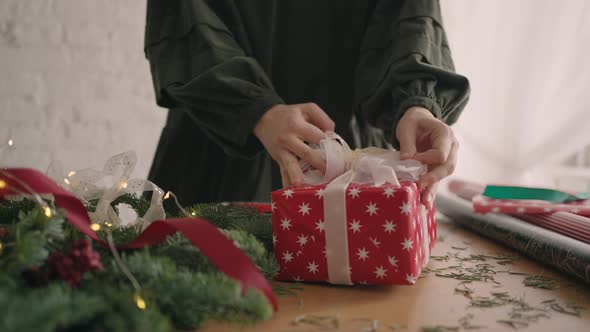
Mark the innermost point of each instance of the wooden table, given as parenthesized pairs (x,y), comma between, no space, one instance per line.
(435,301)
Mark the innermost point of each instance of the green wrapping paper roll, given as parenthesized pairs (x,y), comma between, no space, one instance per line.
(563,253)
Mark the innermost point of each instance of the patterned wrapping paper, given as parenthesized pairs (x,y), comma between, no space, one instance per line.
(482,204)
(390,234)
(567,219)
(546,246)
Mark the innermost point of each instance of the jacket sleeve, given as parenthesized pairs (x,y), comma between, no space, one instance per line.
(405,61)
(198,67)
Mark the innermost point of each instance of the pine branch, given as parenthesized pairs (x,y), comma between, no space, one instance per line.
(242,218)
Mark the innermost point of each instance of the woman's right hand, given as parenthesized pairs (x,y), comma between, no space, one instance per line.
(284,131)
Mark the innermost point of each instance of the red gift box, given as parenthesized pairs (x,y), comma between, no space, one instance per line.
(389,234)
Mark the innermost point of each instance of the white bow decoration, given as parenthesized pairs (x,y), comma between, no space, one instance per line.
(109,184)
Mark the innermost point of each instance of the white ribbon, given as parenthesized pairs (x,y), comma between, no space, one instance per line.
(370,166)
(109,184)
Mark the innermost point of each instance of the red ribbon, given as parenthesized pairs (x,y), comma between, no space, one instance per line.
(207,238)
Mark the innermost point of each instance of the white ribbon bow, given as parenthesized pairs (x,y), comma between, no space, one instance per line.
(109,184)
(370,166)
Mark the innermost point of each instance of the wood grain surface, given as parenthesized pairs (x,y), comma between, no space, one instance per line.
(500,301)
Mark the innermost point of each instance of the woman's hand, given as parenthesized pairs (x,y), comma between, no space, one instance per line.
(284,131)
(430,141)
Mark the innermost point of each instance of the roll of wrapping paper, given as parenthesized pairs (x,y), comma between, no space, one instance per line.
(566,223)
(546,246)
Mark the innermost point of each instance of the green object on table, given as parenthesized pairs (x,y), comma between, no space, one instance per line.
(550,195)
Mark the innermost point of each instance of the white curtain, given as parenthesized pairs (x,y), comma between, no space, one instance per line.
(529,66)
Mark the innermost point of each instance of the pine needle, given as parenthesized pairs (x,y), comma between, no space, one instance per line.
(541,282)
(323,322)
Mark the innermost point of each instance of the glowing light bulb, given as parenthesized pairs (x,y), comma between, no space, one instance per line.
(2,184)
(47,211)
(139,301)
(95,227)
(193,213)
(67,181)
(123,185)
(71,173)
(10,142)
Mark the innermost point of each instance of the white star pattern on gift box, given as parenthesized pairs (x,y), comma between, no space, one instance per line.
(320,226)
(355,226)
(376,242)
(372,209)
(388,192)
(312,267)
(273,206)
(406,208)
(363,254)
(286,224)
(354,192)
(389,226)
(304,209)
(408,244)
(319,193)
(392,260)
(288,193)
(297,278)
(380,272)
(302,240)
(274,239)
(347,270)
(327,252)
(410,278)
(287,256)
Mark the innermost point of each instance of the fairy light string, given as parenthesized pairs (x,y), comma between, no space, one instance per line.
(183,210)
(49,213)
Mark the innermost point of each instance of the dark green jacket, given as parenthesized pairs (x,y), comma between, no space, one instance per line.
(218,65)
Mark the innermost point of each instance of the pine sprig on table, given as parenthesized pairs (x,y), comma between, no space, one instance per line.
(181,288)
(232,217)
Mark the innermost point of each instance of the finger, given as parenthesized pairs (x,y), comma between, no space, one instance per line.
(310,133)
(406,135)
(441,171)
(291,166)
(314,114)
(306,153)
(285,177)
(442,140)
(429,195)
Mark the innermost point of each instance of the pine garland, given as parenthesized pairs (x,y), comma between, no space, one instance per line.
(181,288)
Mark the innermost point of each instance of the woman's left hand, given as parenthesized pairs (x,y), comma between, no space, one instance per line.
(430,141)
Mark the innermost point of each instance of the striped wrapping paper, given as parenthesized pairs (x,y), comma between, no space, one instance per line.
(562,252)
(566,223)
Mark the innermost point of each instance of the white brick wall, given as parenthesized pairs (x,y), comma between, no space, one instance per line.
(74,83)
